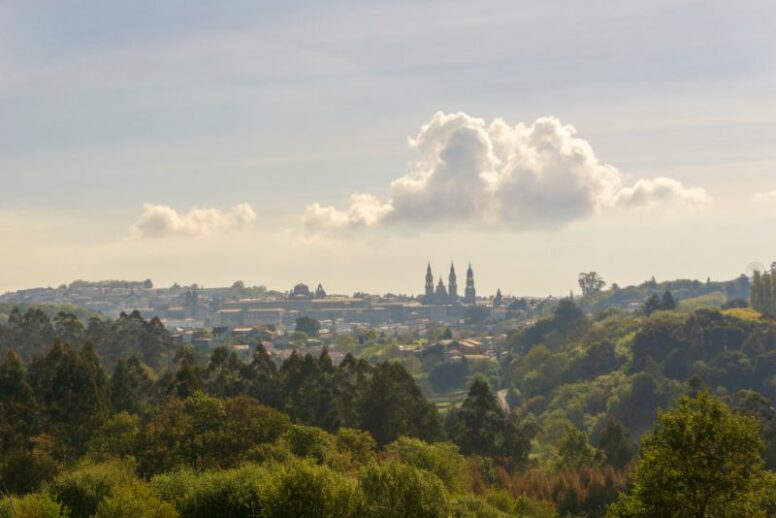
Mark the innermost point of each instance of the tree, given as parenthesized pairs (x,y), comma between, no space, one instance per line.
(398,490)
(390,404)
(614,445)
(69,329)
(308,326)
(130,386)
(652,304)
(72,390)
(667,303)
(17,405)
(701,461)
(480,427)
(476,314)
(590,283)
(574,450)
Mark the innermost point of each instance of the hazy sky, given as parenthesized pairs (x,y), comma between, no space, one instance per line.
(350,142)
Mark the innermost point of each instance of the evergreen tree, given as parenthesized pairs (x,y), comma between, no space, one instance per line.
(391,404)
(69,329)
(667,302)
(263,379)
(130,386)
(480,427)
(17,405)
(71,388)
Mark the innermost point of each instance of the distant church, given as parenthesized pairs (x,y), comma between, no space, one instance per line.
(449,294)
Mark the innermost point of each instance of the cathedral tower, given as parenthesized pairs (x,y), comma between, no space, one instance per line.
(441,292)
(470,295)
(452,286)
(429,295)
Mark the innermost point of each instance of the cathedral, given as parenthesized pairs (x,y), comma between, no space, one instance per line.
(449,295)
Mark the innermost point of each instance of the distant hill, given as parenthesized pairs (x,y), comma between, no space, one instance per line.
(709,293)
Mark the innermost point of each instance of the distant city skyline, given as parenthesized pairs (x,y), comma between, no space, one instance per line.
(349,143)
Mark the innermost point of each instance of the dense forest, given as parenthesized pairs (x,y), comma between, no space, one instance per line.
(113,418)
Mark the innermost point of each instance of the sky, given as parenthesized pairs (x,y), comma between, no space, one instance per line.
(349,143)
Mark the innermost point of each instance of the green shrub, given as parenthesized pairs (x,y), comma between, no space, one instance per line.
(303,489)
(359,444)
(395,490)
(309,442)
(442,459)
(136,501)
(470,506)
(82,489)
(35,505)
(233,492)
(24,472)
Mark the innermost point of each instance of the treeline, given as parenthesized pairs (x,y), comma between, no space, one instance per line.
(582,372)
(194,442)
(33,332)
(208,457)
(62,409)
(66,395)
(681,289)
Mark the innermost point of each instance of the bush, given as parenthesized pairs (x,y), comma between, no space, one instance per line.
(309,441)
(304,489)
(474,507)
(233,492)
(394,490)
(36,505)
(356,446)
(442,459)
(136,501)
(82,489)
(23,472)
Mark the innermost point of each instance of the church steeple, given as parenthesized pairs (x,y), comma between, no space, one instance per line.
(429,292)
(470,294)
(452,285)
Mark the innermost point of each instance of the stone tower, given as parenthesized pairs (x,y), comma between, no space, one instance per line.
(470,295)
(429,295)
(441,292)
(452,286)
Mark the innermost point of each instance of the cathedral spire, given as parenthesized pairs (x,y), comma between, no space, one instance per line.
(429,288)
(452,285)
(470,294)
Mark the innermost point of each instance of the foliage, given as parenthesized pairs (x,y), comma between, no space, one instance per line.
(308,326)
(574,450)
(701,460)
(36,505)
(442,459)
(397,490)
(82,489)
(590,283)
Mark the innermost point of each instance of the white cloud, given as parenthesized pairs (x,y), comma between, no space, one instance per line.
(765,197)
(661,191)
(162,220)
(524,176)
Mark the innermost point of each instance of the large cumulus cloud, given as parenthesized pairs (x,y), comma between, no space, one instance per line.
(523,176)
(161,220)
